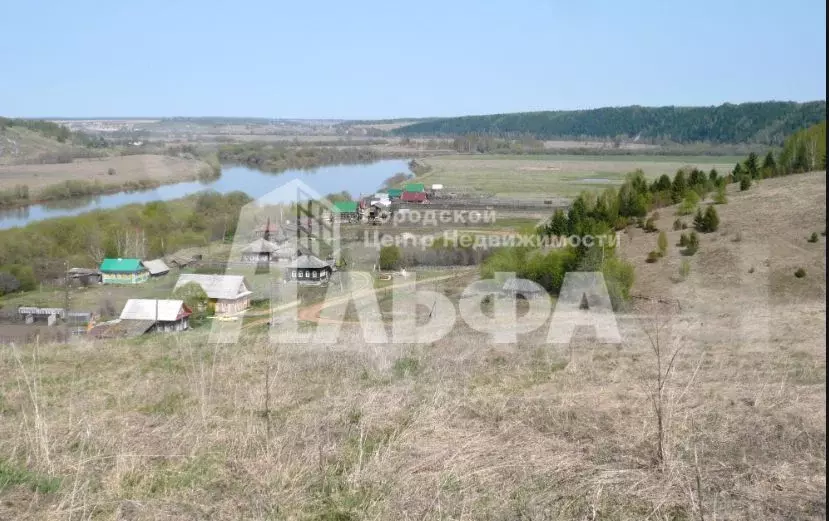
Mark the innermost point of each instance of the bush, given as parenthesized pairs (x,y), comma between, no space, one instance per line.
(684,269)
(745,183)
(678,225)
(111,171)
(196,299)
(692,244)
(389,257)
(683,240)
(650,225)
(813,237)
(721,197)
(707,222)
(8,283)
(800,273)
(662,243)
(652,257)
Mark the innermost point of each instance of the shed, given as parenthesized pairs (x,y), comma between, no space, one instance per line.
(156,267)
(164,315)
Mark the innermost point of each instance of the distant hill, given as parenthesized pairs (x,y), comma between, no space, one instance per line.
(764,122)
(40,141)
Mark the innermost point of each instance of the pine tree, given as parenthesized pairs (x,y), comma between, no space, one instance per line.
(558,224)
(711,220)
(751,166)
(713,175)
(745,183)
(769,164)
(699,221)
(737,173)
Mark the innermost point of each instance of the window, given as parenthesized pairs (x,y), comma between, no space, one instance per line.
(293,274)
(300,273)
(307,274)
(315,274)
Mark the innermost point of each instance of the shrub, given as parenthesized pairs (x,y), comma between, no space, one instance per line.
(111,171)
(650,225)
(8,283)
(813,237)
(683,240)
(692,244)
(800,273)
(652,257)
(662,243)
(688,203)
(678,225)
(721,197)
(711,219)
(389,257)
(684,269)
(745,183)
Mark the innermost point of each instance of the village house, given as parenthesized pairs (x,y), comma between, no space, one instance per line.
(394,193)
(308,269)
(156,267)
(414,197)
(160,315)
(227,293)
(123,271)
(260,250)
(344,211)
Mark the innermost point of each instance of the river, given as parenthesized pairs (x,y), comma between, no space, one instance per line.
(355,179)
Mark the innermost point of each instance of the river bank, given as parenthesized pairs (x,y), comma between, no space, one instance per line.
(24,185)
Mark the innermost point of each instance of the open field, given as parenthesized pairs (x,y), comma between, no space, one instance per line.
(161,169)
(543,176)
(460,428)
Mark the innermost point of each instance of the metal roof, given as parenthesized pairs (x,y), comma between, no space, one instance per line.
(121,265)
(156,266)
(260,246)
(345,207)
(522,286)
(414,187)
(217,286)
(308,261)
(153,309)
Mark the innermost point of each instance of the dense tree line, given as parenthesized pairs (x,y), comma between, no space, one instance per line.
(276,158)
(50,130)
(803,151)
(145,231)
(764,122)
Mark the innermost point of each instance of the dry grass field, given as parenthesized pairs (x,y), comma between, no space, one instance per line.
(459,428)
(544,176)
(163,169)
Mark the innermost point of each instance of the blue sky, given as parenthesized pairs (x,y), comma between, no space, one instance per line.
(381,59)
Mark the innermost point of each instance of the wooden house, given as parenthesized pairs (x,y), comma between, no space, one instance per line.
(414,197)
(260,250)
(308,269)
(123,271)
(344,211)
(227,293)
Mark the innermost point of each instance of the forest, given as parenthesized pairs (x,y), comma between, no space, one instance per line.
(46,248)
(276,158)
(765,123)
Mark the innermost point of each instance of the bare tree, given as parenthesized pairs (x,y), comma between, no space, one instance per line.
(665,356)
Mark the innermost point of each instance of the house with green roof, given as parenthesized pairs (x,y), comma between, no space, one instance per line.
(414,187)
(123,271)
(394,193)
(344,211)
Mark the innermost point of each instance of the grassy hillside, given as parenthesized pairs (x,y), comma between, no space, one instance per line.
(171,427)
(35,141)
(765,122)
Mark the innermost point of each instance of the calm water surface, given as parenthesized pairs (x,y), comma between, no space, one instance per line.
(355,179)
